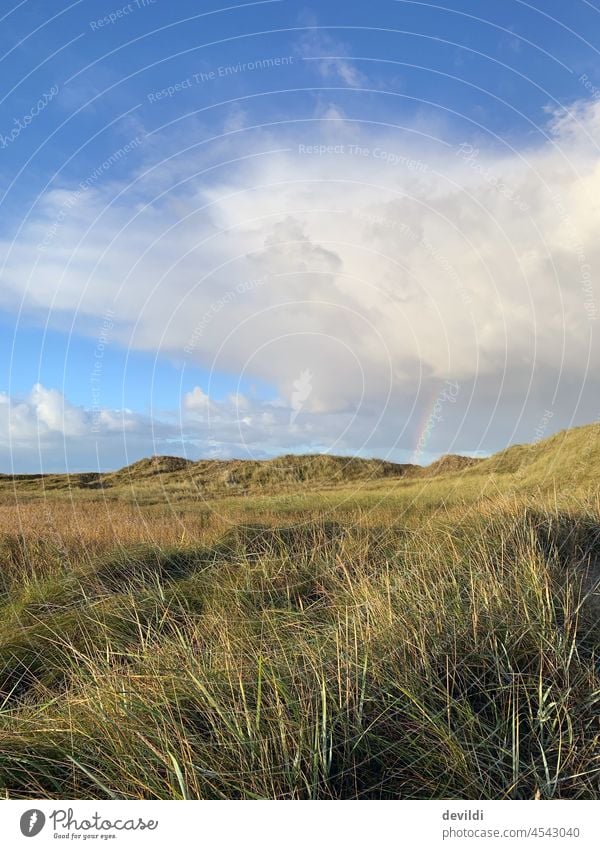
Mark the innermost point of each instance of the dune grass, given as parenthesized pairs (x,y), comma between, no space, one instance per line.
(354,644)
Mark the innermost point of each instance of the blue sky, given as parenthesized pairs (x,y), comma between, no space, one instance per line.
(292,227)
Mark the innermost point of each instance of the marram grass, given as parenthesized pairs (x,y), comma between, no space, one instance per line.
(386,650)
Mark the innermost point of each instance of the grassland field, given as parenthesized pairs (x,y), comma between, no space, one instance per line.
(305,628)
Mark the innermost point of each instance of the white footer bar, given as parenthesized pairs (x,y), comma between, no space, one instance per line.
(290,824)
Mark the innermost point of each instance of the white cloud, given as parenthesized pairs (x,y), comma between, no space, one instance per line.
(196,400)
(44,431)
(329,56)
(53,413)
(42,412)
(382,267)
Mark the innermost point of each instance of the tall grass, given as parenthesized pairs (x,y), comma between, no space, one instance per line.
(380,655)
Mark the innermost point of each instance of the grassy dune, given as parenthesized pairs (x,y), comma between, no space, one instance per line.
(392,633)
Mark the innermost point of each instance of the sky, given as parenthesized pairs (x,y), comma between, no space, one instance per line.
(274,227)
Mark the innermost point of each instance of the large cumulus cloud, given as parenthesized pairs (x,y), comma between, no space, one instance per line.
(381,263)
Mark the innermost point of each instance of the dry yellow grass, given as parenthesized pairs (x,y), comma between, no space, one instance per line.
(432,638)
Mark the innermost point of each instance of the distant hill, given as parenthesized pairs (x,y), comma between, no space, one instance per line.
(571,456)
(240,476)
(450,463)
(150,466)
(222,477)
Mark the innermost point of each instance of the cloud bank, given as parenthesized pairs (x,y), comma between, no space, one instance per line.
(382,263)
